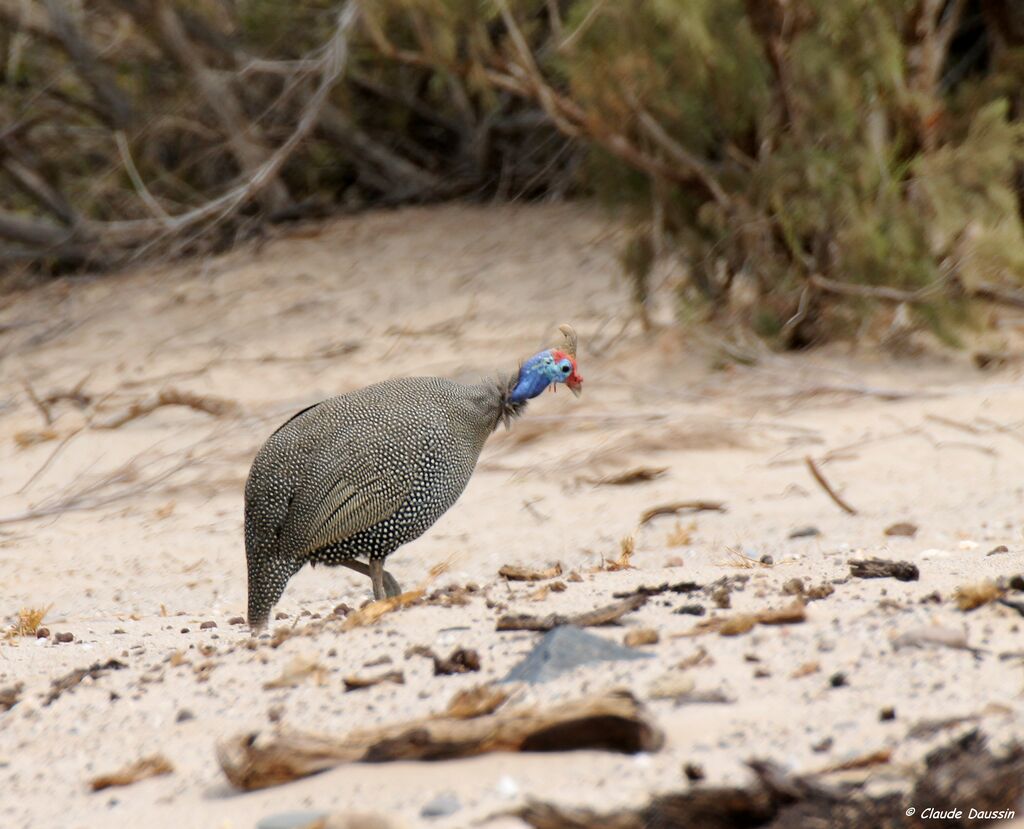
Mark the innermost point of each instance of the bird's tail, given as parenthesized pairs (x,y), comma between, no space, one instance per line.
(267,580)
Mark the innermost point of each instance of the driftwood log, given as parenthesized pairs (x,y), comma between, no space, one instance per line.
(613,722)
(964,775)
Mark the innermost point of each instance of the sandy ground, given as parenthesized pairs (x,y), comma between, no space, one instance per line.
(154,548)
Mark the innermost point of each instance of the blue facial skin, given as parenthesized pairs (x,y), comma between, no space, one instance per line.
(537,373)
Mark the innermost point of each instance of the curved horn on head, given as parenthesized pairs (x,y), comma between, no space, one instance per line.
(571,340)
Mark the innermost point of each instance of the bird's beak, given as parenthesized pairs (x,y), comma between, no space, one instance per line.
(575,386)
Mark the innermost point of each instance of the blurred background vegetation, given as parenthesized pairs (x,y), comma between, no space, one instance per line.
(819,167)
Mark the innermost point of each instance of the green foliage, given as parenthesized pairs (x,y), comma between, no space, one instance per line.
(840,154)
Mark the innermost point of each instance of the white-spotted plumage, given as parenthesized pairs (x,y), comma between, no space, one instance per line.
(361,474)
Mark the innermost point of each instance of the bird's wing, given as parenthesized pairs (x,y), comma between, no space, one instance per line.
(353,483)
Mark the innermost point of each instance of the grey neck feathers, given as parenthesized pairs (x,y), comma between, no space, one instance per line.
(490,400)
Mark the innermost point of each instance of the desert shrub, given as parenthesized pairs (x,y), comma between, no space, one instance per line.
(813,164)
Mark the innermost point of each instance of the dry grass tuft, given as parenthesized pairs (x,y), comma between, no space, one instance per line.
(375,610)
(972,596)
(627,547)
(29,620)
(741,560)
(680,535)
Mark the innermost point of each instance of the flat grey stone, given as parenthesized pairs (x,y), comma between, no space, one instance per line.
(564,648)
(443,805)
(291,820)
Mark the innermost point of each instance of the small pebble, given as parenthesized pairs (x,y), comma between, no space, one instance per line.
(823,745)
(805,532)
(292,820)
(207,625)
(641,636)
(793,587)
(184,715)
(837,680)
(767,559)
(902,529)
(342,610)
(280,615)
(64,637)
(507,787)
(184,630)
(886,714)
(236,620)
(443,805)
(691,610)
(43,633)
(1002,548)
(694,772)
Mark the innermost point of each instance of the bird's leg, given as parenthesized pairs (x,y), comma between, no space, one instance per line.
(376,569)
(391,587)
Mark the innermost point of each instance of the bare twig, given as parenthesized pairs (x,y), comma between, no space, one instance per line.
(243,137)
(44,410)
(991,292)
(215,406)
(49,460)
(820,478)
(880,292)
(680,506)
(683,157)
(31,182)
(131,233)
(99,493)
(113,102)
(136,179)
(154,766)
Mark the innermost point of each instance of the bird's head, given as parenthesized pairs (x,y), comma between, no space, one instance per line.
(549,368)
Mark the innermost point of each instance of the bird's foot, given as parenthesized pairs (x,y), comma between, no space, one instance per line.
(391,588)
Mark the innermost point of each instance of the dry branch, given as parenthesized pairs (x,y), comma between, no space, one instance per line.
(880,292)
(89,239)
(71,679)
(112,100)
(954,774)
(514,573)
(613,722)
(31,182)
(243,137)
(216,406)
(600,616)
(793,614)
(99,493)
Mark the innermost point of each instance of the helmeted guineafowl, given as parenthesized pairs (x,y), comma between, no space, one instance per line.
(361,474)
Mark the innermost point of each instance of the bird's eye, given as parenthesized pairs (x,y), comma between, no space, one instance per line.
(566,369)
